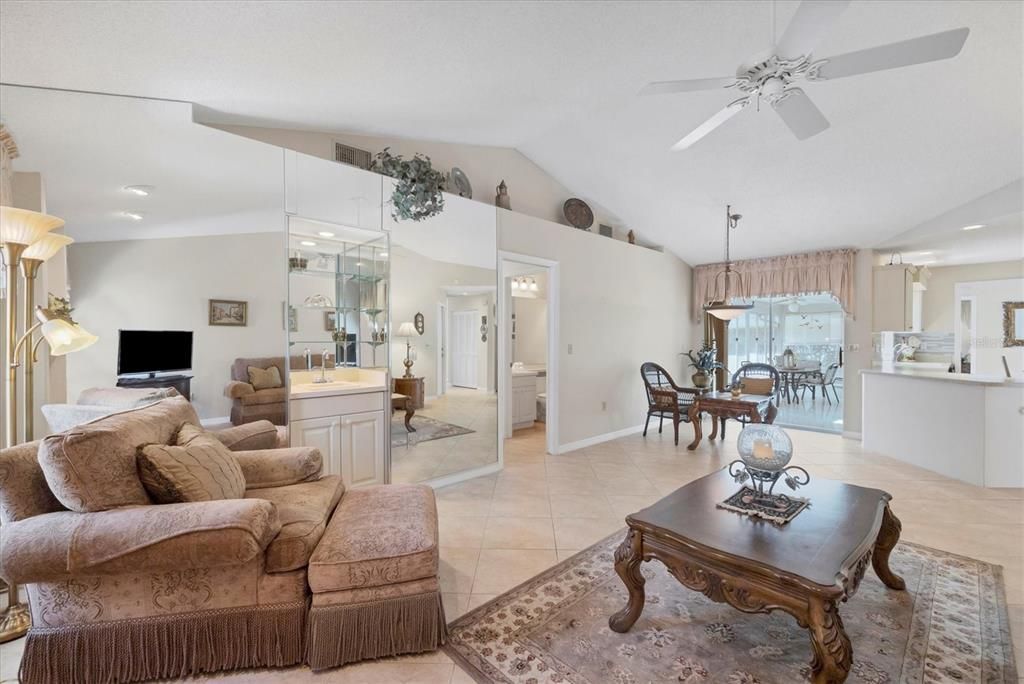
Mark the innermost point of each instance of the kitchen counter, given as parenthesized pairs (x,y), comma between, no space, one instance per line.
(924,374)
(967,427)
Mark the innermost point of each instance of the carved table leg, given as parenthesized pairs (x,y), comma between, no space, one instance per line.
(888,535)
(833,654)
(714,427)
(409,413)
(628,557)
(694,413)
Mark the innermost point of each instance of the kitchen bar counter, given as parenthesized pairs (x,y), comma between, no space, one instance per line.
(966,427)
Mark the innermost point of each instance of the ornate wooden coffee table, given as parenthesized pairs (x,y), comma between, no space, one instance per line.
(805,568)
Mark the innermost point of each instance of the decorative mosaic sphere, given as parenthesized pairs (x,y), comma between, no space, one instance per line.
(764,447)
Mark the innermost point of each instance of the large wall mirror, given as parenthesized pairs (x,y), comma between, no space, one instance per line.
(177,227)
(444,346)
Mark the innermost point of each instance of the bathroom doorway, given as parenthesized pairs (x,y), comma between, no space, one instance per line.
(527,351)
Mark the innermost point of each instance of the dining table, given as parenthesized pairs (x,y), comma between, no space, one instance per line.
(791,376)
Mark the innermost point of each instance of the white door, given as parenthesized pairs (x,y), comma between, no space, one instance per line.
(323,434)
(464,348)
(362,443)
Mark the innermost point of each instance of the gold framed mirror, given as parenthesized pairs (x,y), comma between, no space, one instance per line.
(1013,324)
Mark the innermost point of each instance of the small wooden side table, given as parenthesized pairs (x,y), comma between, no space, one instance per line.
(412,388)
(724,405)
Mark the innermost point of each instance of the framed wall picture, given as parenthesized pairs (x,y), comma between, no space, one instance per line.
(330,321)
(228,312)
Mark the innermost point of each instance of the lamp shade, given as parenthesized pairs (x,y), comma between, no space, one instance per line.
(728,312)
(23,227)
(407,329)
(46,246)
(65,338)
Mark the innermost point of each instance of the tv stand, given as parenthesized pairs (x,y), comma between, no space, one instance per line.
(182,383)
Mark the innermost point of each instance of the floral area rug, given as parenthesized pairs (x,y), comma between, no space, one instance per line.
(950,625)
(427,430)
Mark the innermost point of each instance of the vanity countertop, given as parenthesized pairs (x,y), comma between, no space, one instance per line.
(333,388)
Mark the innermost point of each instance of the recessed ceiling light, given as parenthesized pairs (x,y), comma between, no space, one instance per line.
(383,254)
(359,263)
(325,233)
(308,243)
(976,226)
(133,215)
(140,190)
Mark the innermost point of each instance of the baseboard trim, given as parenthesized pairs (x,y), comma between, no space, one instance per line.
(214,421)
(852,435)
(598,439)
(464,475)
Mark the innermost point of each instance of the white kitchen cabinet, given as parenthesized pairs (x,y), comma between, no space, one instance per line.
(893,298)
(350,432)
(323,434)
(524,399)
(362,437)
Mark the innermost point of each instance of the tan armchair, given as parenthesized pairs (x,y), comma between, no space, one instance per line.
(165,591)
(248,403)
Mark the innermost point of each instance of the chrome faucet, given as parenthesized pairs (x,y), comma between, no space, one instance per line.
(323,367)
(309,358)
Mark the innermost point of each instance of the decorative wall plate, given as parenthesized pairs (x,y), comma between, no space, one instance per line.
(578,214)
(458,183)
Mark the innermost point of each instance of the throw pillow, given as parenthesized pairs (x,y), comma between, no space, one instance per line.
(757,385)
(92,469)
(265,378)
(197,468)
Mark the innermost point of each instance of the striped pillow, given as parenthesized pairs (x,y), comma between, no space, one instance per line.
(197,468)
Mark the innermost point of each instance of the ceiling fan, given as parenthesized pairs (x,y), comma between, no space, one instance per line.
(772,75)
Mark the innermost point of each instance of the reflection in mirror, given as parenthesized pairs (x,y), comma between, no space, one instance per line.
(177,227)
(444,268)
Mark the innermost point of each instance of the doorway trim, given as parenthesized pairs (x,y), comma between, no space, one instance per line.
(504,338)
(958,335)
(442,349)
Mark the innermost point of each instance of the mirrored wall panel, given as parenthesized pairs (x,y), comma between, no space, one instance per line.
(177,264)
(444,343)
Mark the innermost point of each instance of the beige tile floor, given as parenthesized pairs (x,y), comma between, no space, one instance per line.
(471,409)
(500,530)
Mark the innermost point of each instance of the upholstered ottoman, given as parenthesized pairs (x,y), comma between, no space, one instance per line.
(374,578)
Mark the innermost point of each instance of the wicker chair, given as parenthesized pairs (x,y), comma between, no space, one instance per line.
(757,371)
(665,399)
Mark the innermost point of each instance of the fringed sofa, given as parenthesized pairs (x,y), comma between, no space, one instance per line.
(123,589)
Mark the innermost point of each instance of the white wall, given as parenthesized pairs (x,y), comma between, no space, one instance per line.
(531,189)
(857,338)
(938,299)
(988,335)
(620,305)
(531,343)
(165,284)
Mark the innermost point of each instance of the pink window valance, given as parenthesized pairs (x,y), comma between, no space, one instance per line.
(784,276)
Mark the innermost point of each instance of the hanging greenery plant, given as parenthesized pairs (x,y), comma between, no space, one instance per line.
(417,194)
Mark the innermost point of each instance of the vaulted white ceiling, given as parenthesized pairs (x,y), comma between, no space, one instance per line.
(558,81)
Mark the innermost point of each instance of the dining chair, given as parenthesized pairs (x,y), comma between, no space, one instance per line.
(756,378)
(823,380)
(665,399)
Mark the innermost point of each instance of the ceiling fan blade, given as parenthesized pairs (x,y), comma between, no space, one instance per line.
(894,55)
(800,114)
(810,23)
(723,115)
(687,86)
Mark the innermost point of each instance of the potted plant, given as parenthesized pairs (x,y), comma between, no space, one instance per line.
(705,363)
(418,190)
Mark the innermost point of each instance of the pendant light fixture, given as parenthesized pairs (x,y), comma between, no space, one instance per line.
(724,308)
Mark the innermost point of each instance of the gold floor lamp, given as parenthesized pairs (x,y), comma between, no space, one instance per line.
(24,236)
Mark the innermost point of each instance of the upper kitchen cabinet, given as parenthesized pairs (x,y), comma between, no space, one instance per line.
(324,190)
(893,300)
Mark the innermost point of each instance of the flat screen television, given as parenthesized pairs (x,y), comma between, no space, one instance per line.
(153,351)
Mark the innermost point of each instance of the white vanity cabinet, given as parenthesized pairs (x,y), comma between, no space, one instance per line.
(348,429)
(524,399)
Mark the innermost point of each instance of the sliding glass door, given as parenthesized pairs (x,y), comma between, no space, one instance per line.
(811,326)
